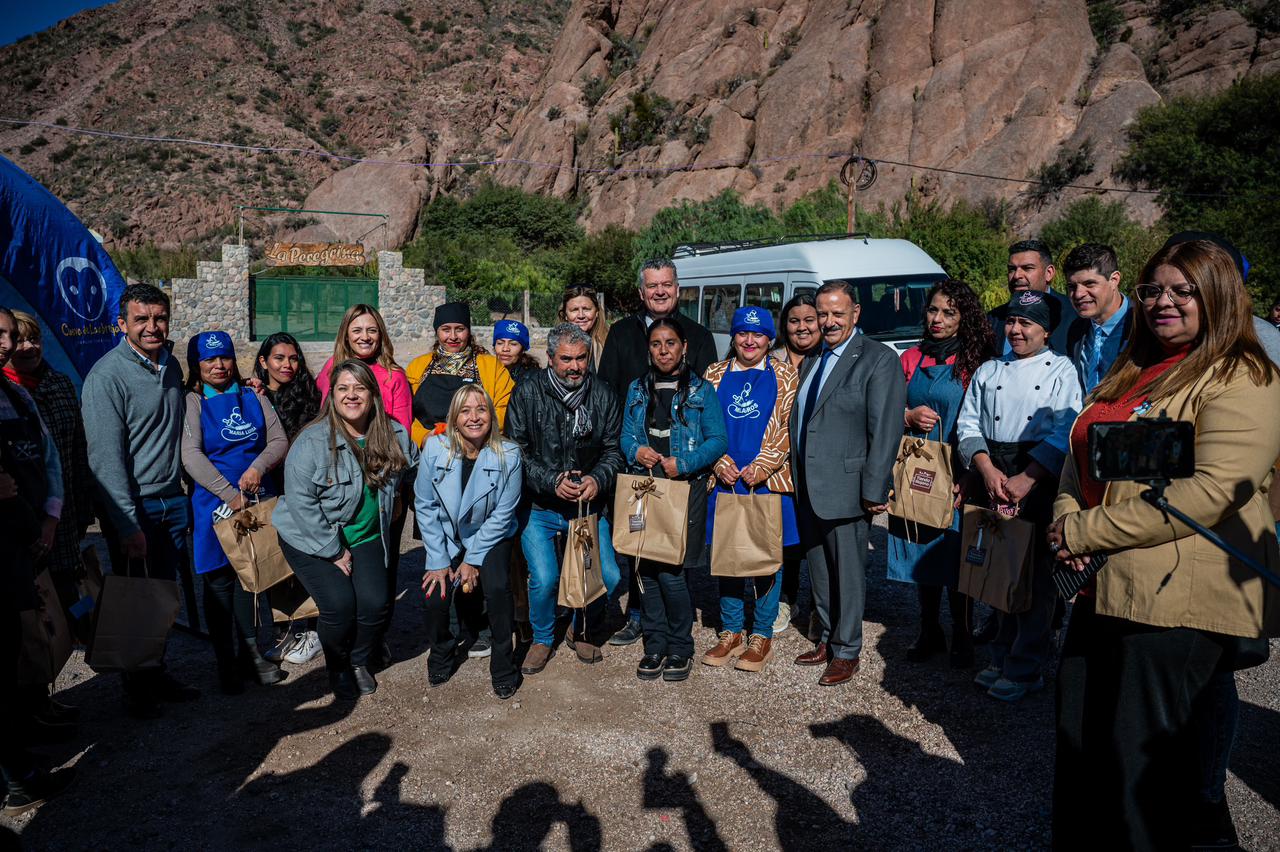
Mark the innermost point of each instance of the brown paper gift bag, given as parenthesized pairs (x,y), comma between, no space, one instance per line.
(131,623)
(923,477)
(996,554)
(252,548)
(46,637)
(290,601)
(746,537)
(651,518)
(581,577)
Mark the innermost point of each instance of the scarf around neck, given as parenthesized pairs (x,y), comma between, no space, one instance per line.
(940,350)
(462,364)
(573,399)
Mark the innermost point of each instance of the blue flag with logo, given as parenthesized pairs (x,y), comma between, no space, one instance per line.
(52,267)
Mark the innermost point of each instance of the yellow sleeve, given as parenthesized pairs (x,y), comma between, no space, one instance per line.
(414,372)
(498,382)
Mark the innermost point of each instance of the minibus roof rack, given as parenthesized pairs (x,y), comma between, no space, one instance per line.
(699,249)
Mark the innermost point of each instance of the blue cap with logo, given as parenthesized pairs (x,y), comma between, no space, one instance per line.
(511,330)
(214,344)
(751,318)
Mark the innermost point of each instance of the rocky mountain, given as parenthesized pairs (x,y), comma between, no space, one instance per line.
(628,105)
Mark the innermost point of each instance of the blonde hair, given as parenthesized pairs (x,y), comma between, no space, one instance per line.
(454,440)
(1226,342)
(28,326)
(381,457)
(600,329)
(342,347)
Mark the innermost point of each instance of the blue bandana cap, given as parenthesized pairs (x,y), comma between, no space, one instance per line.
(214,344)
(751,318)
(511,330)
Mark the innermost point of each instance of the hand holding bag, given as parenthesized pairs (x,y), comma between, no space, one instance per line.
(996,554)
(132,622)
(46,636)
(651,518)
(581,576)
(923,478)
(252,547)
(746,537)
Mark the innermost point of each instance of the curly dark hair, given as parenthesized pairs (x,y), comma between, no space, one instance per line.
(297,403)
(977,340)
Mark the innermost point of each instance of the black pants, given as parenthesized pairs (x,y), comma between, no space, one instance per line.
(495,594)
(353,609)
(14,760)
(1128,770)
(666,616)
(792,556)
(228,611)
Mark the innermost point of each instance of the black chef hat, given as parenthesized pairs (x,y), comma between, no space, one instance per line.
(1032,305)
(452,312)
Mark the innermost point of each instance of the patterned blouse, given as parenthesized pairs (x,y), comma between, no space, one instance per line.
(775,447)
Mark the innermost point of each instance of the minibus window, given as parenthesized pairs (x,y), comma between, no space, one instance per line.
(718,304)
(893,306)
(687,303)
(767,296)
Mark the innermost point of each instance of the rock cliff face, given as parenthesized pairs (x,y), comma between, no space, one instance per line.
(751,95)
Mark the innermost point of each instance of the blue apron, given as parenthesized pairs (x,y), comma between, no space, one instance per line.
(235,433)
(748,398)
(925,554)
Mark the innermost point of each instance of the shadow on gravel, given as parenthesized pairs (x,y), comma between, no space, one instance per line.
(1256,767)
(674,790)
(527,815)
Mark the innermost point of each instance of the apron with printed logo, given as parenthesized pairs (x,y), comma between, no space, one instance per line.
(748,398)
(235,434)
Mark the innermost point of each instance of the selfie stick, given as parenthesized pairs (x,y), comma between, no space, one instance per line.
(1155,496)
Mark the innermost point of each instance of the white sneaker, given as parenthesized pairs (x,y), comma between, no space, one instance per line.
(306,649)
(783,621)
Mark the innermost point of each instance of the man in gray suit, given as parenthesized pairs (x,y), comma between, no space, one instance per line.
(845,432)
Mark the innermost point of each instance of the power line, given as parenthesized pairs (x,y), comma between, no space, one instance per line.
(587,170)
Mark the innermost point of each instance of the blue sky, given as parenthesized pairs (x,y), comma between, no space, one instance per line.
(23,17)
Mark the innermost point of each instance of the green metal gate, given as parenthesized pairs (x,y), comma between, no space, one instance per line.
(309,308)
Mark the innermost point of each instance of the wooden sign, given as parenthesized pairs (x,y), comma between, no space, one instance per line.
(315,254)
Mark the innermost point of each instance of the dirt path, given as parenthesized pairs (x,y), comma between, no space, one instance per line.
(589,757)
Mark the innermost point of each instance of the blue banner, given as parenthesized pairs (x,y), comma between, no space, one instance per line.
(52,267)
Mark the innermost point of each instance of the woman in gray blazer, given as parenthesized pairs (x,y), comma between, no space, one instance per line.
(466,495)
(340,480)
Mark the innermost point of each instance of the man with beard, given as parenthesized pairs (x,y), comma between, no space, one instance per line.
(626,358)
(568,423)
(1031,268)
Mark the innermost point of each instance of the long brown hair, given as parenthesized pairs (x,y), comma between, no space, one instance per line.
(342,348)
(381,457)
(1226,342)
(600,329)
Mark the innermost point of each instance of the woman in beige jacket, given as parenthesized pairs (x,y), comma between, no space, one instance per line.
(1169,609)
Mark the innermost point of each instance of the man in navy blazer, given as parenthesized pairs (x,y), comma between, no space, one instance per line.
(846,427)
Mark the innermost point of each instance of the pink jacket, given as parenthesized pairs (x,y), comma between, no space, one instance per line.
(396,396)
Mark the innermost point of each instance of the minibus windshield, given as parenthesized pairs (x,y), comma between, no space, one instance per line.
(893,306)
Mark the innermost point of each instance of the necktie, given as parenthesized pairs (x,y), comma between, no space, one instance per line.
(811,398)
(1095,356)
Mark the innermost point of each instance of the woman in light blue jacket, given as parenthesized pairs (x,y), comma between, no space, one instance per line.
(673,427)
(468,486)
(340,481)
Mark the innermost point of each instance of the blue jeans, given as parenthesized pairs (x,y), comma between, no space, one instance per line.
(538,541)
(733,591)
(164,522)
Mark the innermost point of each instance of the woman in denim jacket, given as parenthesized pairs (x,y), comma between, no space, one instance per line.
(673,427)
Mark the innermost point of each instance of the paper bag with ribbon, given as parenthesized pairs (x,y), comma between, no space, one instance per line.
(996,559)
(651,518)
(252,548)
(46,637)
(747,535)
(581,576)
(291,602)
(922,480)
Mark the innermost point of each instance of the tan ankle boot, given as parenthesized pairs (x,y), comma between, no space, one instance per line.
(758,653)
(729,646)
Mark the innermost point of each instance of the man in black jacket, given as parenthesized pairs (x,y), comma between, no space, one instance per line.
(1031,268)
(626,358)
(568,424)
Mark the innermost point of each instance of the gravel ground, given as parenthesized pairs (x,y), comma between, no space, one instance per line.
(587,757)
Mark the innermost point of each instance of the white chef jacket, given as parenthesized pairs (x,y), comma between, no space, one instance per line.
(1013,399)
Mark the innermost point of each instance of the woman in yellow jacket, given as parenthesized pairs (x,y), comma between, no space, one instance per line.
(456,360)
(1169,609)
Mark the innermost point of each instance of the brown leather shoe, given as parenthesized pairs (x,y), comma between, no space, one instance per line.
(587,653)
(817,657)
(730,645)
(537,658)
(838,671)
(759,652)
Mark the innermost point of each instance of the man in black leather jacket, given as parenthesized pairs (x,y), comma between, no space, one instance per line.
(568,424)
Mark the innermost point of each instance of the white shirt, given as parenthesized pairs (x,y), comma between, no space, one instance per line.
(1013,399)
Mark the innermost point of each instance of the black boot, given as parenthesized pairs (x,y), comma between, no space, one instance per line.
(931,639)
(36,789)
(961,607)
(343,685)
(255,666)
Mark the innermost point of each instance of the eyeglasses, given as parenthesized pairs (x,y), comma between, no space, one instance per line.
(1150,293)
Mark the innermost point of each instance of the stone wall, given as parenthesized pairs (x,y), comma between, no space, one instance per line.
(406,302)
(217,298)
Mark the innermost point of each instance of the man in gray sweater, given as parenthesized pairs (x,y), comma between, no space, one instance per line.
(133,410)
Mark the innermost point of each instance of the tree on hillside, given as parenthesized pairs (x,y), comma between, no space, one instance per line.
(1216,162)
(1092,220)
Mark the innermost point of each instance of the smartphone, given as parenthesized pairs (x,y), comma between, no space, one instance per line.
(1142,450)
